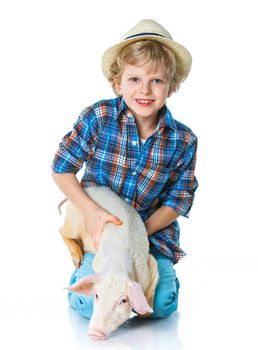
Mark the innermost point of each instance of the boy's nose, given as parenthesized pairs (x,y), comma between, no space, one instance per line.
(145,89)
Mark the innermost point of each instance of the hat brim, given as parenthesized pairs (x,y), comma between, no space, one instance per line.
(183,56)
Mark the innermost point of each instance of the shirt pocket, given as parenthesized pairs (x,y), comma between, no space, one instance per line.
(155,174)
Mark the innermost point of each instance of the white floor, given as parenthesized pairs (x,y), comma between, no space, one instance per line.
(217,311)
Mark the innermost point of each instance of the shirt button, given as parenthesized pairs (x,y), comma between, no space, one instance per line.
(134,173)
(134,143)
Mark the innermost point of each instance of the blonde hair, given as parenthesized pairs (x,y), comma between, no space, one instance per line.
(141,52)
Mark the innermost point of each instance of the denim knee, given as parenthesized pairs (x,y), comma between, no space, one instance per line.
(82,304)
(166,302)
(167,289)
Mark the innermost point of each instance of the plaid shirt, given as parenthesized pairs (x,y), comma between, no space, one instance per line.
(161,172)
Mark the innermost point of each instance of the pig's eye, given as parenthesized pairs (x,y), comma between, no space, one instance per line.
(123,300)
(96,296)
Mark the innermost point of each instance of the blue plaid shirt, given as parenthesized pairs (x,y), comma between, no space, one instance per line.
(161,172)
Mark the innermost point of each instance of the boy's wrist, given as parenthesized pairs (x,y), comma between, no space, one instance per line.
(148,227)
(88,204)
(160,219)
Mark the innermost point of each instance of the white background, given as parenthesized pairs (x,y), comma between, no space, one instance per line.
(50,70)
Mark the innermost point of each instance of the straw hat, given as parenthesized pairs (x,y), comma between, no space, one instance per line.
(149,29)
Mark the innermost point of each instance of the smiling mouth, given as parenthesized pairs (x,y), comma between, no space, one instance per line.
(144,102)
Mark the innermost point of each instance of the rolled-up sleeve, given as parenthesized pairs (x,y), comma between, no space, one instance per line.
(180,192)
(78,145)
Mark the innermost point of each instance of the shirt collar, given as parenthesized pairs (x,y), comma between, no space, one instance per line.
(121,106)
(166,118)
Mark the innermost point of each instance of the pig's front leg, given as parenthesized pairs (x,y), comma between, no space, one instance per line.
(76,251)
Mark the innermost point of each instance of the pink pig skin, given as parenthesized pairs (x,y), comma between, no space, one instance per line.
(137,299)
(85,285)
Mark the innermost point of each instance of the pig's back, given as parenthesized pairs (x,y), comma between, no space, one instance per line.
(121,245)
(132,222)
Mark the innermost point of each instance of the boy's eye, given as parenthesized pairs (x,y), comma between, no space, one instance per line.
(134,79)
(158,81)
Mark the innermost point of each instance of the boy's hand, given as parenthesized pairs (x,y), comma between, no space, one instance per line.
(96,219)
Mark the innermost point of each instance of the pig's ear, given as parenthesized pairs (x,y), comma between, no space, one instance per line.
(137,298)
(85,285)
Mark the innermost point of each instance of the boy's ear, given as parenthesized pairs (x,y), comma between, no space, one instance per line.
(172,89)
(170,92)
(117,85)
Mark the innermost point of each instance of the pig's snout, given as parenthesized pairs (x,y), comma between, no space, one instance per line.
(97,334)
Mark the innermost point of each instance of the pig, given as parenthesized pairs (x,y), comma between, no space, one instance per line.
(126,274)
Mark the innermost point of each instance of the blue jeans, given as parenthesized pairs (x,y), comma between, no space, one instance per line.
(166,294)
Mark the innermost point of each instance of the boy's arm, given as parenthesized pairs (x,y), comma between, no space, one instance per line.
(182,184)
(75,147)
(160,219)
(72,189)
(179,194)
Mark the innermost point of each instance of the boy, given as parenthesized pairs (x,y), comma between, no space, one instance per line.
(133,145)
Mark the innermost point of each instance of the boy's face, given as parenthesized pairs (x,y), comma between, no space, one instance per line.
(145,89)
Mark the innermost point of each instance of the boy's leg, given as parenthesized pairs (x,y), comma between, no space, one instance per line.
(166,294)
(82,304)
